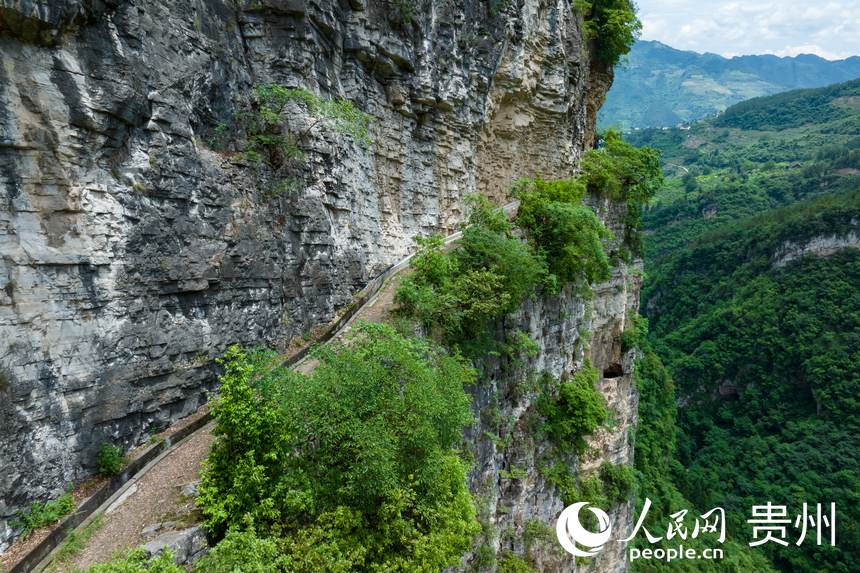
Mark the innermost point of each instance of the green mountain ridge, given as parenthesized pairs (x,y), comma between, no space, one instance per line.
(660,86)
(761,348)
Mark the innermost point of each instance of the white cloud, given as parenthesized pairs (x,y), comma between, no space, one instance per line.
(811,49)
(729,27)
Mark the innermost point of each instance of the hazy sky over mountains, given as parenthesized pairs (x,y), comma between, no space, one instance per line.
(829,28)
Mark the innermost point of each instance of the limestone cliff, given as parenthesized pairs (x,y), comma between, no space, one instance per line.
(132,252)
(517,504)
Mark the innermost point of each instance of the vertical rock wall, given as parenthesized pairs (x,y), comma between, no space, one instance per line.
(132,251)
(517,506)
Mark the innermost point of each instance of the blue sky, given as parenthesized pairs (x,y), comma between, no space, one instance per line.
(829,28)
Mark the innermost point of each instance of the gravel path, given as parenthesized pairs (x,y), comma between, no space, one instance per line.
(377,309)
(157,499)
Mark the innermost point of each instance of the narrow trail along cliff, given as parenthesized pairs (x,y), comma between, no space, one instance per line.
(145,227)
(154,506)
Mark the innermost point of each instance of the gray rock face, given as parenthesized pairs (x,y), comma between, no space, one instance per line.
(187,545)
(819,246)
(517,506)
(132,252)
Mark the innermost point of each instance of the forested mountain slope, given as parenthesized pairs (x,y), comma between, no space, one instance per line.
(753,275)
(658,85)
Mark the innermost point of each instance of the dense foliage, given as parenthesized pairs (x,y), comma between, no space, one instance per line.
(352,467)
(612,25)
(718,175)
(564,232)
(511,563)
(457,292)
(625,173)
(781,345)
(243,550)
(792,109)
(575,411)
(759,328)
(656,466)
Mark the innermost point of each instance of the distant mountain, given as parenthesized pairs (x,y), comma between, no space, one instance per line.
(660,86)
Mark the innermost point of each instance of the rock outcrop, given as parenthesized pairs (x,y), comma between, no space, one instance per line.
(517,504)
(819,246)
(132,251)
(187,545)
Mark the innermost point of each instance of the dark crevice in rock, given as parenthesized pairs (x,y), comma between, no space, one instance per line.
(614,370)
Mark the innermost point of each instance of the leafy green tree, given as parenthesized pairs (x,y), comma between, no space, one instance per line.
(565,233)
(612,25)
(626,173)
(458,292)
(354,466)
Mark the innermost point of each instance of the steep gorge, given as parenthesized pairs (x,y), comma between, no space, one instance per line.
(133,252)
(752,259)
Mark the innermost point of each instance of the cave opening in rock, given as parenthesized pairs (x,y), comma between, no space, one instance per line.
(614,370)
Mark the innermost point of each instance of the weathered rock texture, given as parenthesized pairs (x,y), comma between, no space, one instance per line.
(820,246)
(516,504)
(131,252)
(187,545)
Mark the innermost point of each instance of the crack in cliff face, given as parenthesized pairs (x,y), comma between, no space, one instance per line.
(133,249)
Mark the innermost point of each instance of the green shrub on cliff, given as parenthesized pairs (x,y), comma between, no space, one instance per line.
(110,459)
(512,563)
(352,467)
(612,25)
(456,293)
(42,514)
(623,172)
(267,140)
(564,232)
(568,233)
(575,411)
